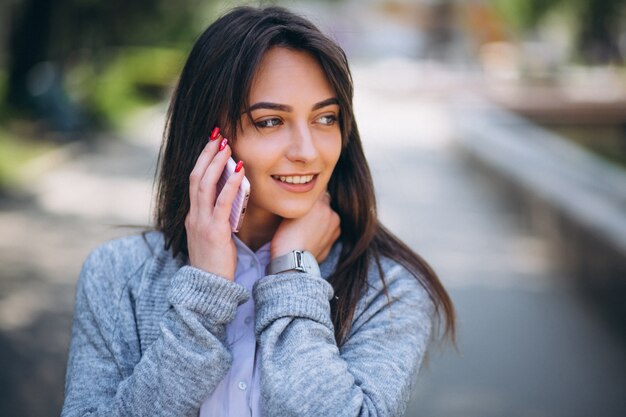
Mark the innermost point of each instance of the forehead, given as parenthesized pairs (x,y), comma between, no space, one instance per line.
(288,76)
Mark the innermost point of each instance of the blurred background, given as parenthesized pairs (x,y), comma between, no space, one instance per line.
(496,134)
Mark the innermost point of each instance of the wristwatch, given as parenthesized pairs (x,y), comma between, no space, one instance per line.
(297,260)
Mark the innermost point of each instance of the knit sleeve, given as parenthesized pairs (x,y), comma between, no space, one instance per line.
(305,373)
(107,375)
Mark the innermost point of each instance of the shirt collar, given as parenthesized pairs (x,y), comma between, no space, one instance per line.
(243,251)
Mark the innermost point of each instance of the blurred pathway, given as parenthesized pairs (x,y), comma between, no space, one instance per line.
(529,345)
(46,235)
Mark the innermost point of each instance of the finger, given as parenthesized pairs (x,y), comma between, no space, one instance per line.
(205,157)
(207,188)
(224,203)
(202,163)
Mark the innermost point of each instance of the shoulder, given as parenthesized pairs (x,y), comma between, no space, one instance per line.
(387,281)
(397,281)
(394,298)
(114,265)
(126,251)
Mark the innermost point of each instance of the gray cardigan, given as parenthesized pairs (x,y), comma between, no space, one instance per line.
(148,332)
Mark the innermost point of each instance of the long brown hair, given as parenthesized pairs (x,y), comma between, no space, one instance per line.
(213,89)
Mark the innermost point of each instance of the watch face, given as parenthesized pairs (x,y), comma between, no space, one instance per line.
(300,261)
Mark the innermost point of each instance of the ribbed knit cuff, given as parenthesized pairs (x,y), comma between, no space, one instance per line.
(206,294)
(292,295)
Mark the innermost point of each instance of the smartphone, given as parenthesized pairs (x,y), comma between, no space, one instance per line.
(241,199)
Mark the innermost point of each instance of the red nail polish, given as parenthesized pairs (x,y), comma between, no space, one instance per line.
(215,133)
(239,166)
(223,144)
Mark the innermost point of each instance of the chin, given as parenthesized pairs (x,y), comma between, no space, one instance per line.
(293,211)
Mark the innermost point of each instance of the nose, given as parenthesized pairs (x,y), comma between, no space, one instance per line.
(302,144)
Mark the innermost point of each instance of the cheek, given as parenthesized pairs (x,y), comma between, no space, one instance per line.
(257,166)
(332,152)
(252,156)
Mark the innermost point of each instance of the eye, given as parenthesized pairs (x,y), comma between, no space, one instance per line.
(328,119)
(271,122)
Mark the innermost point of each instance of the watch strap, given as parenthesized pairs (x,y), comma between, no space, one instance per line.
(297,260)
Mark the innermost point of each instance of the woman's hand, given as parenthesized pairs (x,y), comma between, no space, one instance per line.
(316,231)
(211,247)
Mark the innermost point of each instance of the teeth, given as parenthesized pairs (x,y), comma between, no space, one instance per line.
(302,179)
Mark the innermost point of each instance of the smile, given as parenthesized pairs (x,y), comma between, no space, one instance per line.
(294,179)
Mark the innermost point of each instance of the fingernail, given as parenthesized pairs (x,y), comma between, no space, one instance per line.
(223,144)
(239,166)
(215,133)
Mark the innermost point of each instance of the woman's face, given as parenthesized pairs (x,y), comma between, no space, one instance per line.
(291,154)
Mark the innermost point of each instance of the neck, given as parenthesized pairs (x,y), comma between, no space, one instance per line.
(258,228)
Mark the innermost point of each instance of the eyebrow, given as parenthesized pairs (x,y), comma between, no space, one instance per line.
(286,108)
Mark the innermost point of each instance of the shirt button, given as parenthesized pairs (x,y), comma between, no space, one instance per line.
(242,385)
(248,320)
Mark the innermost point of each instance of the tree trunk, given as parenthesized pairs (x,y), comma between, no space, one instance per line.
(28,46)
(598,40)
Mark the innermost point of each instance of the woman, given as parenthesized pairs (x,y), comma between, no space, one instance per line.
(185,321)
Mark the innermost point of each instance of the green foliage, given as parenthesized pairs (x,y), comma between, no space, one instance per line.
(594,26)
(99,24)
(15,152)
(129,79)
(102,51)
(3,89)
(524,14)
